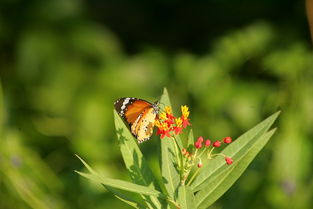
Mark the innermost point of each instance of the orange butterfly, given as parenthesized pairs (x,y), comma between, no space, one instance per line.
(139,114)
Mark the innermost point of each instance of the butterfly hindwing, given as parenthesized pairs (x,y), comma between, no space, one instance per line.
(143,127)
(139,114)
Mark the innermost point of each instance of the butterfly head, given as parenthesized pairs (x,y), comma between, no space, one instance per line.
(156,107)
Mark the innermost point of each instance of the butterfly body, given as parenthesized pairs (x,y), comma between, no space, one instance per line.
(139,114)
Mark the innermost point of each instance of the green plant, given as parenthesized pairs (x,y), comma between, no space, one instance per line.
(199,187)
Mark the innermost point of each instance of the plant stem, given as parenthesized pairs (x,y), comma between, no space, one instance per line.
(184,178)
(202,153)
(209,155)
(193,176)
(173,202)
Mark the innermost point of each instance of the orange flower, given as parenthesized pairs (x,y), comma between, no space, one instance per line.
(178,129)
(168,123)
(184,117)
(168,110)
(163,116)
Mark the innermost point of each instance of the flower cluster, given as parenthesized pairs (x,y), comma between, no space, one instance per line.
(201,143)
(167,123)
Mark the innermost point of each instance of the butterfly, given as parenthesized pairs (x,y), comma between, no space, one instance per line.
(139,114)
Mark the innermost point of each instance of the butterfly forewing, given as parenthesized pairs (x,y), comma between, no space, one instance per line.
(139,114)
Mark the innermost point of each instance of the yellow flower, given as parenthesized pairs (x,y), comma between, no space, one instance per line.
(163,116)
(164,126)
(179,122)
(185,111)
(157,123)
(168,110)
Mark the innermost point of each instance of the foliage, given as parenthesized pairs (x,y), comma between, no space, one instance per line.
(61,69)
(213,180)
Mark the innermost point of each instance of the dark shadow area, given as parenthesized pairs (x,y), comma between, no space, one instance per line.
(191,26)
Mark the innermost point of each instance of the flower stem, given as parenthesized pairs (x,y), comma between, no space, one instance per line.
(193,176)
(209,154)
(173,202)
(203,151)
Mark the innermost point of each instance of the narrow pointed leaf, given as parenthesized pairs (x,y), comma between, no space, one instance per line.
(170,174)
(120,184)
(235,150)
(86,165)
(131,203)
(133,158)
(208,195)
(186,198)
(130,198)
(123,194)
(165,100)
(136,164)
(134,205)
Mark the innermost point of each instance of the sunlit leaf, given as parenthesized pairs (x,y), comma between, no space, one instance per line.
(209,194)
(131,203)
(119,193)
(186,198)
(120,184)
(234,150)
(170,174)
(135,163)
(130,198)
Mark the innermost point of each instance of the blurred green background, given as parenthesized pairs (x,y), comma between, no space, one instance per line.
(64,62)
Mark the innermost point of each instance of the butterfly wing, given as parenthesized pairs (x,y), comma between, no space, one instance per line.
(139,114)
(142,128)
(130,108)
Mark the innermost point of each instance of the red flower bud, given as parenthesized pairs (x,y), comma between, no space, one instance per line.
(200,139)
(217,144)
(207,142)
(183,151)
(200,165)
(228,160)
(198,144)
(227,140)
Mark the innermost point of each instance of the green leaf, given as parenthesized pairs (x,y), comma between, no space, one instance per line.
(208,195)
(171,177)
(120,184)
(121,194)
(191,140)
(186,198)
(133,158)
(170,174)
(133,199)
(165,100)
(235,150)
(136,165)
(131,203)
(86,165)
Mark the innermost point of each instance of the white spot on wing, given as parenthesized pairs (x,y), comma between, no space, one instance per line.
(125,103)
